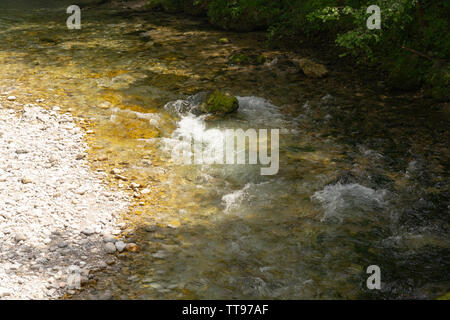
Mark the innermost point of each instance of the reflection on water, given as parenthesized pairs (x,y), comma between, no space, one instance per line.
(352,190)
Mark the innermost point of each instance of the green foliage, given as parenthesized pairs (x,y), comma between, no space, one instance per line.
(241,15)
(420,25)
(416,24)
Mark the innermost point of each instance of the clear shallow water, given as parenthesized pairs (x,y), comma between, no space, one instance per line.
(361,181)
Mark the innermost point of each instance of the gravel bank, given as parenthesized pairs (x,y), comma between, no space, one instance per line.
(56,215)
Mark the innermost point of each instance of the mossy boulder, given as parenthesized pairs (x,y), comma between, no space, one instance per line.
(240,58)
(219,103)
(224,41)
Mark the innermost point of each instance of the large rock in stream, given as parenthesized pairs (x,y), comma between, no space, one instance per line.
(312,69)
(215,103)
(219,103)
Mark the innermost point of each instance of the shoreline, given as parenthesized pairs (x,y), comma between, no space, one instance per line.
(59,219)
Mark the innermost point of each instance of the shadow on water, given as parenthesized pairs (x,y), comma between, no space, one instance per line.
(300,258)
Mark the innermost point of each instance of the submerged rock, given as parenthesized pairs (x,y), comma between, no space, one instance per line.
(224,41)
(132,247)
(245,58)
(219,103)
(312,69)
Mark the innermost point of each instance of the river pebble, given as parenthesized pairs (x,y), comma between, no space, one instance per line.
(110,248)
(120,246)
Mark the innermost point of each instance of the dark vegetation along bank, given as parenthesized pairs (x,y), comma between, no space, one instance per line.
(410,51)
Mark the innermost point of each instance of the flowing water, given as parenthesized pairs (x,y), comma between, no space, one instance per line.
(363,177)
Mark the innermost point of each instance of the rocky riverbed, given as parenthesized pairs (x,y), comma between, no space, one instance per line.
(58,218)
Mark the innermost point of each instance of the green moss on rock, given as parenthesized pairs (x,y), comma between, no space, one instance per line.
(224,41)
(219,103)
(247,59)
(261,59)
(241,59)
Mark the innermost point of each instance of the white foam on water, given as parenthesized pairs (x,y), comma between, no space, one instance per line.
(338,200)
(178,106)
(192,129)
(260,111)
(233,201)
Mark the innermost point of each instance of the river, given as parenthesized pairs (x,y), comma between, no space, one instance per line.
(363,174)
